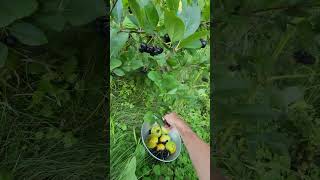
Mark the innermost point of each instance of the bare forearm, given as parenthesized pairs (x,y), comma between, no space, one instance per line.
(199,151)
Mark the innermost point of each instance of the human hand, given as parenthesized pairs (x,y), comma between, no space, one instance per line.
(173,119)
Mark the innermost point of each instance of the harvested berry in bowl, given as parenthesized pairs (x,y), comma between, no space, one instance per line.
(162,143)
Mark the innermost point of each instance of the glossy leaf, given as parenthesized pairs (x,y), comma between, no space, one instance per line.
(119,72)
(191,17)
(174,26)
(28,34)
(11,10)
(117,41)
(137,11)
(81,12)
(115,63)
(193,41)
(151,14)
(117,11)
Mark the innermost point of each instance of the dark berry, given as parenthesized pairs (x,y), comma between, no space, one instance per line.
(165,154)
(149,131)
(10,40)
(152,53)
(143,46)
(158,50)
(150,49)
(204,79)
(304,57)
(129,10)
(203,43)
(234,67)
(166,38)
(153,151)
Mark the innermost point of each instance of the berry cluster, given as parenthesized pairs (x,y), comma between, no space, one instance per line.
(303,57)
(9,40)
(159,142)
(152,50)
(203,43)
(166,38)
(102,25)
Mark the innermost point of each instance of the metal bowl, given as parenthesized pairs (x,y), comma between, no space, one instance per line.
(174,135)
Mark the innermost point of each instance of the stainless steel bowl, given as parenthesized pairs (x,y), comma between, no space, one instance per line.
(174,135)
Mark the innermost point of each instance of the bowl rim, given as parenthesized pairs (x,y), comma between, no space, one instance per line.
(162,160)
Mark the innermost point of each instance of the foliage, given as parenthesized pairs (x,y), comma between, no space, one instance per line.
(52,90)
(266,109)
(144,86)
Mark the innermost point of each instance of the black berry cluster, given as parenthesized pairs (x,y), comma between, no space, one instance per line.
(235,67)
(304,57)
(166,38)
(162,154)
(203,43)
(152,50)
(10,40)
(102,25)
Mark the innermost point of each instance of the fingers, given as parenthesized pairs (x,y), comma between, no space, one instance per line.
(171,118)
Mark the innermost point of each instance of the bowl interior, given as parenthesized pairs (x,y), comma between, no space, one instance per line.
(174,135)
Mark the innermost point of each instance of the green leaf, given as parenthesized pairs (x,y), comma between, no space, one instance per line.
(115,63)
(151,14)
(174,26)
(169,82)
(118,40)
(28,34)
(11,10)
(119,72)
(137,11)
(117,11)
(157,170)
(191,17)
(193,41)
(55,21)
(155,77)
(173,5)
(81,12)
(3,54)
(128,22)
(148,117)
(129,172)
(135,64)
(134,20)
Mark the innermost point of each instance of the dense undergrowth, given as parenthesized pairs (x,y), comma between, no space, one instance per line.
(52,90)
(159,63)
(266,73)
